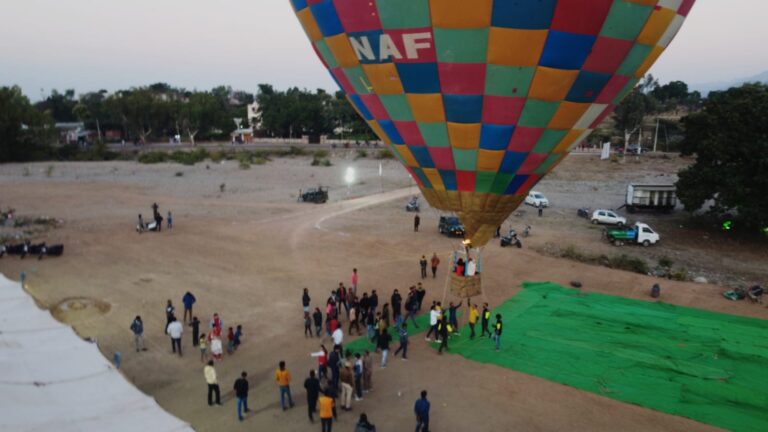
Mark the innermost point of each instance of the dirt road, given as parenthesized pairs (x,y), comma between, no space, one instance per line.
(247,253)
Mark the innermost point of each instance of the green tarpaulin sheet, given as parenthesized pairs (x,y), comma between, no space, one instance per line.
(707,366)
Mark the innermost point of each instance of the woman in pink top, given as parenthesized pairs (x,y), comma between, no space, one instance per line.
(354,281)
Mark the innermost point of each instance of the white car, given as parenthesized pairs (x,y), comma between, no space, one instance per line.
(607,217)
(536,199)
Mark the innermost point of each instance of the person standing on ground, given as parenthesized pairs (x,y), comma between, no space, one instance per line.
(397,308)
(411,305)
(416,223)
(434,316)
(435,261)
(354,281)
(283,379)
(354,317)
(473,316)
(358,373)
(307,325)
(140,227)
(423,265)
(373,302)
(453,318)
(367,372)
(421,409)
(541,210)
(338,337)
(305,300)
(137,327)
(420,293)
(383,344)
(312,386)
(188,300)
(403,341)
(238,335)
(347,384)
(442,334)
(241,393)
(195,324)
(170,221)
(175,330)
(216,321)
(213,384)
(202,343)
(334,360)
(497,328)
(486,317)
(317,317)
(170,312)
(326,411)
(322,362)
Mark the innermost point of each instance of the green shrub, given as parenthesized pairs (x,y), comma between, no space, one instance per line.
(217,156)
(153,157)
(321,154)
(680,275)
(628,263)
(665,262)
(361,153)
(244,165)
(385,154)
(326,163)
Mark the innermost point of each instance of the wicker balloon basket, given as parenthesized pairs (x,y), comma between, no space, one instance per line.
(466,286)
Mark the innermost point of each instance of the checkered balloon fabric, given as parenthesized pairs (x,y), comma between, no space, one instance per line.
(480,99)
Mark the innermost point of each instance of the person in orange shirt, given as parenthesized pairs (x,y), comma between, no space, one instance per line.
(327,413)
(283,378)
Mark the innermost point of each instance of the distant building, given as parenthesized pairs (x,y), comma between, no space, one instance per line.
(70,132)
(242,136)
(254,119)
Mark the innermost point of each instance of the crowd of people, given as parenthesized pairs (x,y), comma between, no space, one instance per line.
(342,376)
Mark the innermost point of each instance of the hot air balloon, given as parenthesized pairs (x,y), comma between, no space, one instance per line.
(479,99)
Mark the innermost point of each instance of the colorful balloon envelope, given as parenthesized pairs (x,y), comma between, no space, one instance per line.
(479,99)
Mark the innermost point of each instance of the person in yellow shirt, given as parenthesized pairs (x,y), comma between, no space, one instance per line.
(283,378)
(473,316)
(327,413)
(213,383)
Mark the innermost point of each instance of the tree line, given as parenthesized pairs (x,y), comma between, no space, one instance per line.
(159,111)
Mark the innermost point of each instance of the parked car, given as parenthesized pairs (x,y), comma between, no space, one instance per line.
(450,226)
(607,217)
(639,234)
(536,199)
(317,195)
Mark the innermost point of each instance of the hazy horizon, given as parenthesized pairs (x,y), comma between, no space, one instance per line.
(88,45)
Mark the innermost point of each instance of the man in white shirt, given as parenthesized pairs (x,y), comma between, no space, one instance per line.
(434,316)
(471,267)
(338,336)
(174,330)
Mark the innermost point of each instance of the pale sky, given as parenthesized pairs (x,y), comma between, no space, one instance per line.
(113,44)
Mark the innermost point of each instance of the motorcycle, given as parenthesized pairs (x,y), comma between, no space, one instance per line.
(511,239)
(413,205)
(584,212)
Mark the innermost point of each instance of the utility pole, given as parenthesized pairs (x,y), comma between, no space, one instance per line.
(656,135)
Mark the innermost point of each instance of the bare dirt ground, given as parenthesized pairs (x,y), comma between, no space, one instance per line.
(247,252)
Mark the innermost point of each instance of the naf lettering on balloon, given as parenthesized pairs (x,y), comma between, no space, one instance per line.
(385,47)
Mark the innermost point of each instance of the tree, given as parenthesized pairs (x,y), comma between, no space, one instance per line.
(639,103)
(25,132)
(730,140)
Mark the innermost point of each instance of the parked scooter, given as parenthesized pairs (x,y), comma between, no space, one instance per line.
(511,239)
